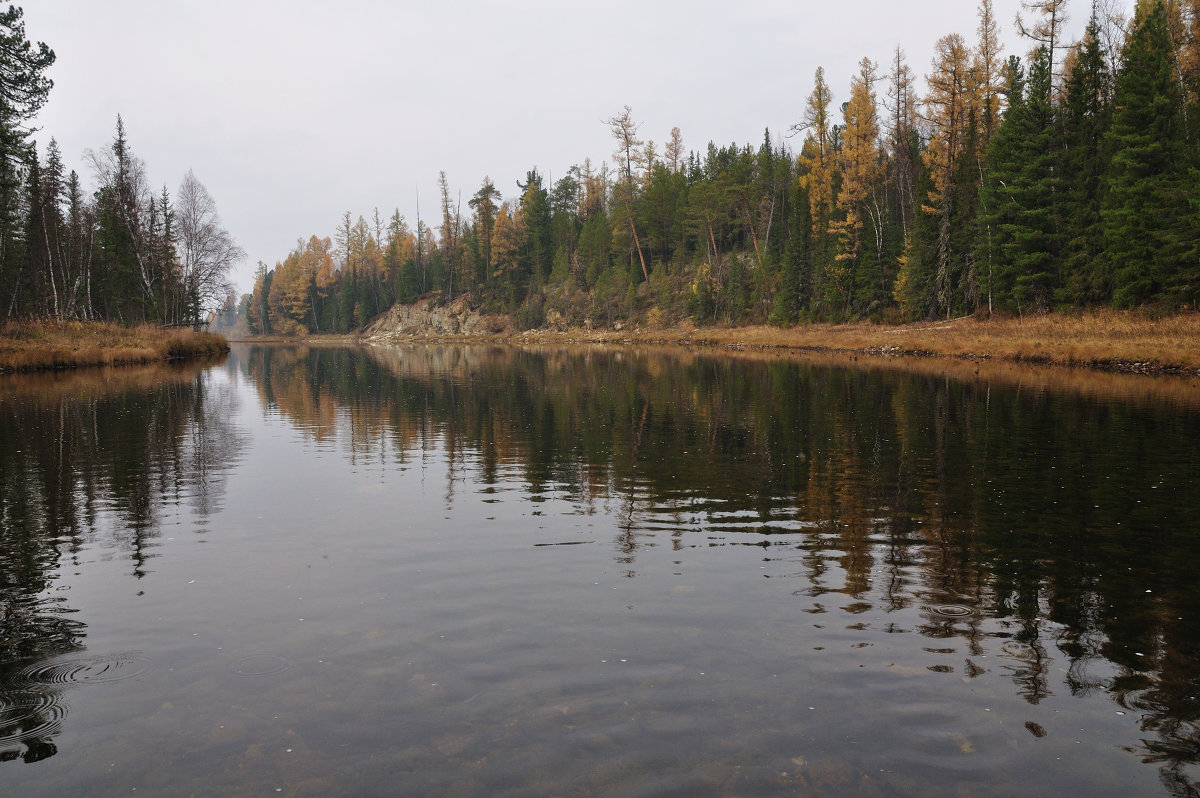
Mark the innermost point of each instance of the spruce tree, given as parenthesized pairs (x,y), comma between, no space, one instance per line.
(1147,236)
(24,88)
(916,283)
(1086,113)
(795,269)
(965,287)
(1023,197)
(1038,188)
(998,205)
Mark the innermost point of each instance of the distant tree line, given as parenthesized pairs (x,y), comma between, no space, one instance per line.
(125,253)
(1065,179)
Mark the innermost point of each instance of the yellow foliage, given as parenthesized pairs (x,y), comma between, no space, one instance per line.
(860,163)
(508,236)
(948,107)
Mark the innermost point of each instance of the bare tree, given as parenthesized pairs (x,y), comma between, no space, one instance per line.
(206,250)
(901,102)
(1045,29)
(674,151)
(629,154)
(451,223)
(1113,26)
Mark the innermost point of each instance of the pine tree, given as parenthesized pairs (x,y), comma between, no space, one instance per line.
(791,300)
(998,202)
(1086,113)
(903,146)
(1024,197)
(535,212)
(1147,238)
(484,205)
(1038,189)
(817,164)
(258,315)
(24,88)
(916,288)
(965,288)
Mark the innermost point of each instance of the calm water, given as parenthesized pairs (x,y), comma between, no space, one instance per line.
(486,571)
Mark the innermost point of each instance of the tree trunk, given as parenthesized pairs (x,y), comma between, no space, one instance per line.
(753,234)
(638,244)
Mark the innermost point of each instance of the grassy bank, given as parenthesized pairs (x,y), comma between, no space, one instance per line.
(49,345)
(1109,340)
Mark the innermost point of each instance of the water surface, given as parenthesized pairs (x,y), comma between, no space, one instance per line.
(438,570)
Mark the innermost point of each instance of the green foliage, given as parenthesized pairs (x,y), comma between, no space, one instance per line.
(1146,233)
(611,298)
(1082,193)
(1086,115)
(532,313)
(24,88)
(1023,197)
(595,248)
(915,284)
(535,214)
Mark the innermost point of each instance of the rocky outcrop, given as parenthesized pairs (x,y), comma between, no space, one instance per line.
(424,319)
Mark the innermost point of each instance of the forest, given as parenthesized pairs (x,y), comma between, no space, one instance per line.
(125,253)
(1065,178)
(1060,179)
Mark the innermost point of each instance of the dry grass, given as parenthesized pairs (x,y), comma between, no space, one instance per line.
(96,383)
(1114,340)
(49,345)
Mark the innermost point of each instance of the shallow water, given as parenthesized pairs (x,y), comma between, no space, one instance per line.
(486,571)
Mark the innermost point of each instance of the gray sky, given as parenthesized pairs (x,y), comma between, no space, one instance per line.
(293,112)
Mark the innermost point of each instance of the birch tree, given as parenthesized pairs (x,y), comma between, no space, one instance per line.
(206,250)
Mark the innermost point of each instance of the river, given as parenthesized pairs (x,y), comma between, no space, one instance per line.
(488,570)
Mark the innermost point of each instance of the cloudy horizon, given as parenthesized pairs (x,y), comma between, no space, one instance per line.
(293,113)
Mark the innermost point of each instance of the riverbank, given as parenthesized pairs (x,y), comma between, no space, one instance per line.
(1120,341)
(48,345)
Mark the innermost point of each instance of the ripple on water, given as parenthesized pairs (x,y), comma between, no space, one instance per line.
(258,665)
(951,610)
(87,670)
(28,714)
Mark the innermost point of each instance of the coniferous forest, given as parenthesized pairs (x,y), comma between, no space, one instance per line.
(127,252)
(1063,178)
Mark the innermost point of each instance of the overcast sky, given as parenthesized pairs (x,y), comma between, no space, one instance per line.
(292,112)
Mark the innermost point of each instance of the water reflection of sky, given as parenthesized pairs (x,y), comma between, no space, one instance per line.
(584,570)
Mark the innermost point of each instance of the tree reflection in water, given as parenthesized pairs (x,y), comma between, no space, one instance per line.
(89,454)
(1042,533)
(1034,523)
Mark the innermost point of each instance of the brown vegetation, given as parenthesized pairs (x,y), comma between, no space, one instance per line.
(97,383)
(47,345)
(1107,339)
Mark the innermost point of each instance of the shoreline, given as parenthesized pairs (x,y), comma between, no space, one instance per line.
(1123,342)
(47,346)
(1112,341)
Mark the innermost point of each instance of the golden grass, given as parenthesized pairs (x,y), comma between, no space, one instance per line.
(1107,339)
(97,382)
(50,345)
